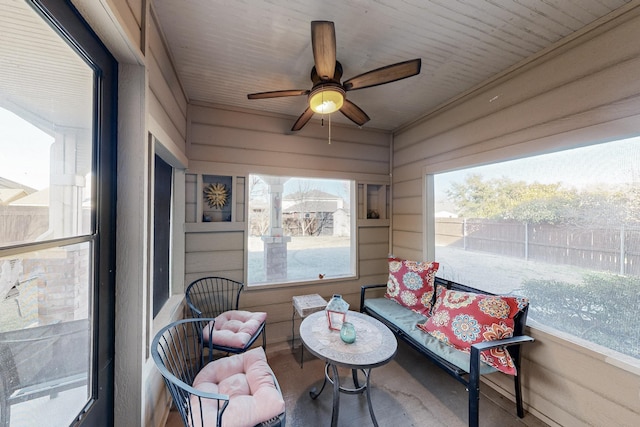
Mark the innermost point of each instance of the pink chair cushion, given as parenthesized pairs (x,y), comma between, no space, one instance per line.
(248,380)
(235,328)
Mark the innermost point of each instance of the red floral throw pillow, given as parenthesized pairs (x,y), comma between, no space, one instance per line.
(460,319)
(411,284)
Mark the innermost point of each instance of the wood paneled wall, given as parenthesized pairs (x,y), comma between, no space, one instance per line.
(583,91)
(223,141)
(167,104)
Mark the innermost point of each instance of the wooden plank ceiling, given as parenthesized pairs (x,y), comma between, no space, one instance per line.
(226,49)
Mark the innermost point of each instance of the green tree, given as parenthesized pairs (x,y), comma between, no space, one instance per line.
(633,205)
(534,203)
(502,198)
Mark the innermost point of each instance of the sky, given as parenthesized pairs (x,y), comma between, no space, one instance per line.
(610,163)
(24,152)
(334,187)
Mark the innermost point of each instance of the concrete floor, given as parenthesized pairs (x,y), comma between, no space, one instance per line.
(408,391)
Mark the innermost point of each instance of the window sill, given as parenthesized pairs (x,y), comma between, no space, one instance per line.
(171,311)
(197,227)
(622,361)
(373,223)
(260,286)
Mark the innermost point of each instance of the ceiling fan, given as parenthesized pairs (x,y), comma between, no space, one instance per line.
(329,95)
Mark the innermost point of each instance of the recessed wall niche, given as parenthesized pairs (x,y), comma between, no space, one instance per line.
(214,198)
(373,201)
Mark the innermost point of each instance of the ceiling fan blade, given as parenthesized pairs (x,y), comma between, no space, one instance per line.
(303,119)
(323,41)
(383,75)
(277,94)
(354,113)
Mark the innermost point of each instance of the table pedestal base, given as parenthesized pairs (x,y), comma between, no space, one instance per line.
(334,379)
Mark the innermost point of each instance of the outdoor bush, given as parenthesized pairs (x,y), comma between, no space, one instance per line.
(598,309)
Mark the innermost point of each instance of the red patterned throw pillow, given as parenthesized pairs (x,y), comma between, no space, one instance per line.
(461,319)
(411,284)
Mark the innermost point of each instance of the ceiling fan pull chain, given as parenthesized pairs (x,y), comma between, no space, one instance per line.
(322,93)
(329,129)
(322,118)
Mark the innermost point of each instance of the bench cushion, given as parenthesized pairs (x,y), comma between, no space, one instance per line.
(234,328)
(248,381)
(410,284)
(461,319)
(407,321)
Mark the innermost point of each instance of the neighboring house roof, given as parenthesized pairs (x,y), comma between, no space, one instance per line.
(312,201)
(311,194)
(7,184)
(11,191)
(39,198)
(9,195)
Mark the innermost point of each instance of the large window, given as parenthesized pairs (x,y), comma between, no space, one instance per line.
(300,229)
(56,218)
(562,229)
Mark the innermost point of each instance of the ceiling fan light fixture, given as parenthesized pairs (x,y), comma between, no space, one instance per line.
(327,98)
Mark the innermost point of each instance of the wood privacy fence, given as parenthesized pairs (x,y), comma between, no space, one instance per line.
(616,250)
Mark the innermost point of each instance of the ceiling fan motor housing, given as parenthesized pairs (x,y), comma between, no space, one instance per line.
(337,75)
(326,98)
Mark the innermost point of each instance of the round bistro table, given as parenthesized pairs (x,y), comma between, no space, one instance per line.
(375,345)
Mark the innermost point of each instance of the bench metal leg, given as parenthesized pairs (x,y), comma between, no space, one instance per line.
(474,389)
(518,387)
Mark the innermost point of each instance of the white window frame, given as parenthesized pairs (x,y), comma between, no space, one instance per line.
(318,277)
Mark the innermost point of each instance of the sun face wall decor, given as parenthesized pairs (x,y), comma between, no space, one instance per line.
(217,198)
(216,195)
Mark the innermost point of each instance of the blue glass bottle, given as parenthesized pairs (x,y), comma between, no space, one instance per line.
(348,332)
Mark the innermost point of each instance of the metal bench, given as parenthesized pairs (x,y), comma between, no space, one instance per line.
(470,378)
